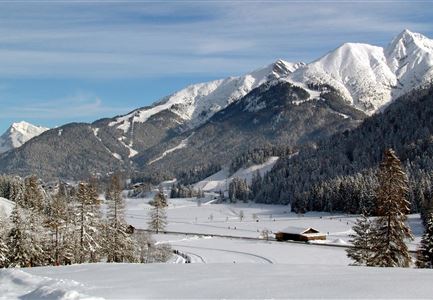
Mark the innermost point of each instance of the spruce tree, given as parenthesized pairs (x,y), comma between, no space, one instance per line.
(362,241)
(4,250)
(33,194)
(19,252)
(158,218)
(71,237)
(86,227)
(37,237)
(425,251)
(56,224)
(390,230)
(96,220)
(119,245)
(34,203)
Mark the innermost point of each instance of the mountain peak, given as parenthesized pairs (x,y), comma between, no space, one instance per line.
(410,36)
(406,41)
(410,56)
(22,125)
(283,67)
(19,133)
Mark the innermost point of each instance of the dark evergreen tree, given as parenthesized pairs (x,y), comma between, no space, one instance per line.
(87,228)
(361,253)
(17,241)
(158,218)
(390,230)
(238,190)
(55,224)
(425,251)
(119,245)
(4,250)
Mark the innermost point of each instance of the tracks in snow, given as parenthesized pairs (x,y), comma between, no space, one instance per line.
(237,256)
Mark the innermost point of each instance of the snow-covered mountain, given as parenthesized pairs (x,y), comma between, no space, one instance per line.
(370,77)
(19,133)
(288,103)
(196,103)
(410,58)
(367,76)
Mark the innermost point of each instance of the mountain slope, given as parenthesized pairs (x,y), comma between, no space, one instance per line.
(70,151)
(198,102)
(316,178)
(275,113)
(410,58)
(190,107)
(369,77)
(283,103)
(19,133)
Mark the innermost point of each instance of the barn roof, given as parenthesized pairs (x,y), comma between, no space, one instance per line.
(300,230)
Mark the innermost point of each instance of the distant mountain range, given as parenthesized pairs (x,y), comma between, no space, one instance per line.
(284,103)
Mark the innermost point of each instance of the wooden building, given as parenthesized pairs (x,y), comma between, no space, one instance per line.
(299,234)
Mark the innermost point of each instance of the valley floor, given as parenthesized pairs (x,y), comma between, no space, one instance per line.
(243,266)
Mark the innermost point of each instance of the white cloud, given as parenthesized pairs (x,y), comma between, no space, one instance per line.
(77,106)
(100,40)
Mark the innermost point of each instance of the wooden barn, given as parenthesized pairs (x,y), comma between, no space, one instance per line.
(299,234)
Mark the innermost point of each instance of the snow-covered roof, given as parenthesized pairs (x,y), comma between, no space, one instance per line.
(300,230)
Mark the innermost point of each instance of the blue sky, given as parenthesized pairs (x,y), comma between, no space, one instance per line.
(64,61)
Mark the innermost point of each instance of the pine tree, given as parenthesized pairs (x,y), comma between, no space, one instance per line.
(37,237)
(362,241)
(19,254)
(96,220)
(425,252)
(4,250)
(56,224)
(86,226)
(33,194)
(33,203)
(158,218)
(256,184)
(71,237)
(162,197)
(119,245)
(16,190)
(390,230)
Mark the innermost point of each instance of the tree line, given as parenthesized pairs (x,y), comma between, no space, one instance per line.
(381,241)
(68,226)
(339,173)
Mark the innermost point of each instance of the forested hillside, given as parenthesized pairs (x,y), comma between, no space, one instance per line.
(339,174)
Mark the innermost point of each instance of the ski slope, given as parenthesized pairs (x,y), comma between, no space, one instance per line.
(221,180)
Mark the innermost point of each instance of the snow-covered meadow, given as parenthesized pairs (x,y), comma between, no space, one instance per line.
(217,281)
(229,259)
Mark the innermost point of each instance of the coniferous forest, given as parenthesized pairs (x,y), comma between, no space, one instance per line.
(66,225)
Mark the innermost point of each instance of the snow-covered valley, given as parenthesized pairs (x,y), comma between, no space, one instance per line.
(242,266)
(194,149)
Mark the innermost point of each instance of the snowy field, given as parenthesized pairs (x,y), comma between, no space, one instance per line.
(218,281)
(185,215)
(229,259)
